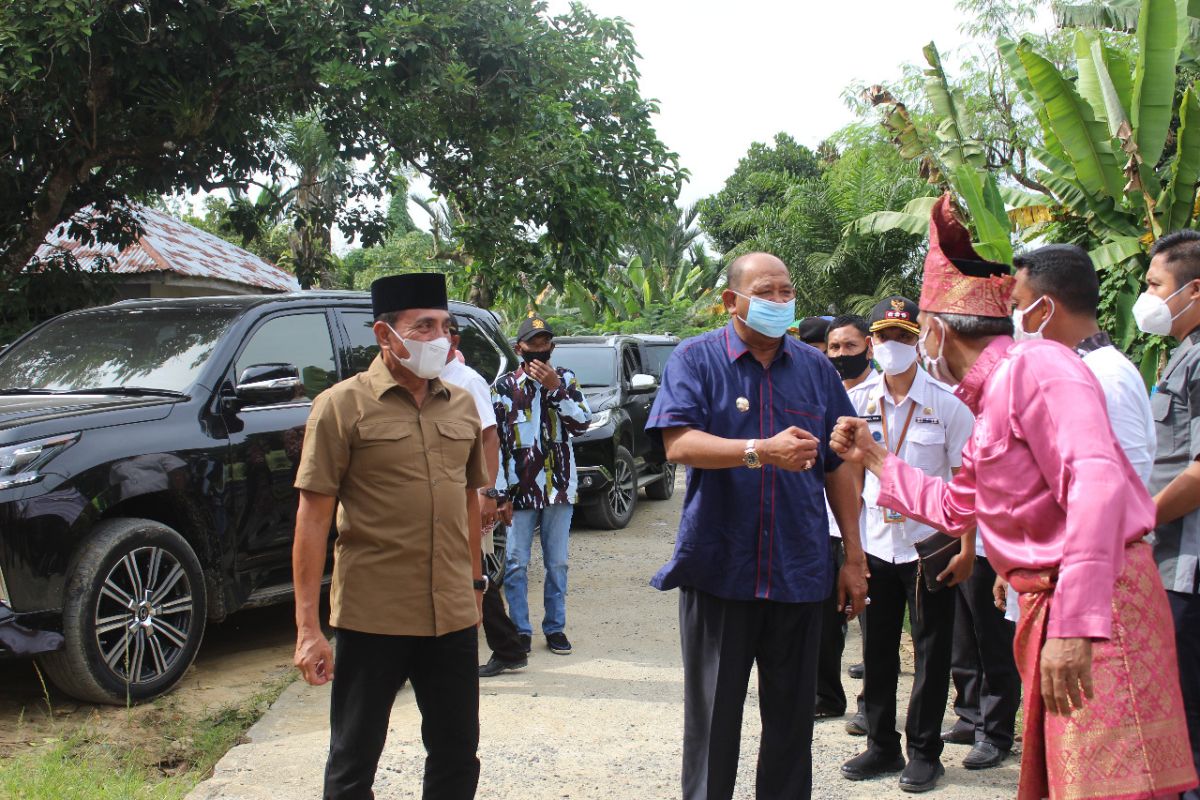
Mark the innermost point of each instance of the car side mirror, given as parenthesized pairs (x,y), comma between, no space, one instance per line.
(267,384)
(642,383)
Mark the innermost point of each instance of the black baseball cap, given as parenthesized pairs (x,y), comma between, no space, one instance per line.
(895,312)
(812,329)
(531,326)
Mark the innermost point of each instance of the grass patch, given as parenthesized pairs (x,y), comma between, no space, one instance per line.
(163,757)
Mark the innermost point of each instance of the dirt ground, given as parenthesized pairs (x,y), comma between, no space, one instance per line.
(604,722)
(237,659)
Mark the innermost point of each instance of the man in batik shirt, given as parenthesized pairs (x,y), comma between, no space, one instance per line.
(538,409)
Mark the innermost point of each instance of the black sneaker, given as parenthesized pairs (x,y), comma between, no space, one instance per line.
(857,671)
(526,642)
(495,666)
(557,642)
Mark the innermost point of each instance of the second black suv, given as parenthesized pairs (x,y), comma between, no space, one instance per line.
(147,455)
(620,377)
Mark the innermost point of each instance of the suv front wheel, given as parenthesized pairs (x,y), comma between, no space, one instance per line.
(614,508)
(134,614)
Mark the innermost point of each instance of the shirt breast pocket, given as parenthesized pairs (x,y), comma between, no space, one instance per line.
(926,447)
(384,446)
(1168,411)
(525,434)
(455,440)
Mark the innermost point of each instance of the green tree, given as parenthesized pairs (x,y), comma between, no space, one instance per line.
(533,124)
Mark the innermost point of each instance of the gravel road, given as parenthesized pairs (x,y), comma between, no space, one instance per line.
(604,722)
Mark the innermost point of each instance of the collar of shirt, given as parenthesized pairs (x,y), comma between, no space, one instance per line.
(918,392)
(735,348)
(1093,343)
(970,391)
(381,380)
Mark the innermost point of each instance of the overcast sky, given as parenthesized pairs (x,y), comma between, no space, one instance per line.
(730,73)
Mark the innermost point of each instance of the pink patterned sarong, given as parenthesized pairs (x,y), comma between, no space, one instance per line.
(1129,742)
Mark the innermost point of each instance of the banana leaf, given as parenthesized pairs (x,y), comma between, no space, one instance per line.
(1154,77)
(1127,329)
(989,218)
(1116,252)
(913,218)
(1151,358)
(1120,73)
(1008,52)
(1089,82)
(1179,198)
(1085,141)
(941,97)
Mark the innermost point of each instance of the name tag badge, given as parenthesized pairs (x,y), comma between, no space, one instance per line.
(892,517)
(928,421)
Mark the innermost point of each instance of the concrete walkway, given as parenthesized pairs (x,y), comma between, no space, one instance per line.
(604,722)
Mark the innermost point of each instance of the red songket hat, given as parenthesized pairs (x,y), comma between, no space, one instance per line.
(956,279)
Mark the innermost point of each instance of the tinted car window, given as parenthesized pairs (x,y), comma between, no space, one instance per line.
(656,356)
(156,348)
(301,340)
(593,366)
(363,346)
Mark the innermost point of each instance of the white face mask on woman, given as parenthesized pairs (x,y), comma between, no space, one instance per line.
(894,358)
(1153,314)
(425,358)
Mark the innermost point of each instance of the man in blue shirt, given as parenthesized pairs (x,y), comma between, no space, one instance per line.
(749,411)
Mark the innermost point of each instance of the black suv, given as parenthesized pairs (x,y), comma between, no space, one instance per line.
(620,377)
(147,455)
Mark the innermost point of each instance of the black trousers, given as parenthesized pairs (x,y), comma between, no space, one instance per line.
(986,682)
(1185,608)
(892,588)
(830,694)
(369,670)
(722,640)
(498,628)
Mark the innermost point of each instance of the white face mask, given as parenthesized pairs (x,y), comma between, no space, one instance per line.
(425,358)
(1153,315)
(1018,317)
(894,358)
(934,365)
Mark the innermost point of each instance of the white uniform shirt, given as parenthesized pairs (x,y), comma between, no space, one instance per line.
(939,430)
(858,399)
(464,377)
(1128,406)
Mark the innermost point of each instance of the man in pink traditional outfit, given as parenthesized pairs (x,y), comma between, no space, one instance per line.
(1063,515)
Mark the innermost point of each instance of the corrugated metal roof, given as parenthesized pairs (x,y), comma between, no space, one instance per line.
(170,245)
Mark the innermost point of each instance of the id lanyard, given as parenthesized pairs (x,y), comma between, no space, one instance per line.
(890,516)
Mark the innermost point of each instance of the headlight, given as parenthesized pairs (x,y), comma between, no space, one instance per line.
(19,463)
(599,419)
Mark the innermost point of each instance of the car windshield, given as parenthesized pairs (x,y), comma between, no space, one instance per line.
(160,349)
(593,366)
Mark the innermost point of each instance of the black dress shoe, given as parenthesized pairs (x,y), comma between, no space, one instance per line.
(857,671)
(871,764)
(984,756)
(921,775)
(495,666)
(526,642)
(857,725)
(958,734)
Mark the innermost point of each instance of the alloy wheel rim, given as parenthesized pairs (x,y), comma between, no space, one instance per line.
(621,496)
(143,614)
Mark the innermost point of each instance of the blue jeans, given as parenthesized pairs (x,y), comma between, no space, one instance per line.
(556,527)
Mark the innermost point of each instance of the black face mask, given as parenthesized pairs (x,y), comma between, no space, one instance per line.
(850,367)
(543,356)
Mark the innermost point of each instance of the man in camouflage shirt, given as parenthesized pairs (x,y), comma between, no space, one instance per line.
(538,409)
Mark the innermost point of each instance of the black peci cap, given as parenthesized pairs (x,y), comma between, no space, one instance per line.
(531,326)
(410,290)
(895,312)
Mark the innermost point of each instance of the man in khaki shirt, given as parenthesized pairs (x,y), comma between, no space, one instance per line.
(399,455)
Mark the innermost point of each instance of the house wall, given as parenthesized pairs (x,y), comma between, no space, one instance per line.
(157,285)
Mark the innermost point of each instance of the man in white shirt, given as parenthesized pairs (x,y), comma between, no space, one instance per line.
(508,653)
(1056,297)
(925,425)
(847,343)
